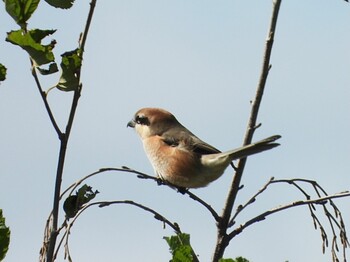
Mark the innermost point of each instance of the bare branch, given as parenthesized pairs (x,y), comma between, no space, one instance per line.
(157,216)
(142,175)
(222,240)
(335,221)
(262,216)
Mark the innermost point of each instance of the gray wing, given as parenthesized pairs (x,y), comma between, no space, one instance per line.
(175,136)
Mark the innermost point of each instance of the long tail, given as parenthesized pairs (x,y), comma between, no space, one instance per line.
(254,148)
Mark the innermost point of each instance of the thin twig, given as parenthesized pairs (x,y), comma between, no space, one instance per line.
(205,204)
(156,214)
(142,175)
(265,214)
(335,221)
(249,202)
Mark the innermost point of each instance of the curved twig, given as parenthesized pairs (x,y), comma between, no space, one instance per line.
(156,214)
(142,175)
(335,221)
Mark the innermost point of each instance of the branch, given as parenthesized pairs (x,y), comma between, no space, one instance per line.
(240,208)
(49,245)
(142,175)
(222,240)
(262,216)
(335,221)
(157,216)
(70,190)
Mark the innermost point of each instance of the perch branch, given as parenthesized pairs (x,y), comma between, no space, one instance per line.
(142,175)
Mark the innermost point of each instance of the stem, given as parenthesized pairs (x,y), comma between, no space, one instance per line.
(222,238)
(64,137)
(55,209)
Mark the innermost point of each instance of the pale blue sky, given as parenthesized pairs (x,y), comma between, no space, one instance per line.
(200,60)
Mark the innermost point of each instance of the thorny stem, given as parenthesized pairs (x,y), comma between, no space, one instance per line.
(222,237)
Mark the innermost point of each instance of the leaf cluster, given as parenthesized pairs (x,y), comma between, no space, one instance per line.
(42,54)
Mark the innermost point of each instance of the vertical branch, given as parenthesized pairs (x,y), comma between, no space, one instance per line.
(64,137)
(222,238)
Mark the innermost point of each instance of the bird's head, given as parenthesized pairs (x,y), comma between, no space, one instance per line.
(152,121)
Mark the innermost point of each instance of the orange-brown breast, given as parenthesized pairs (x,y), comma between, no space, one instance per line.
(176,164)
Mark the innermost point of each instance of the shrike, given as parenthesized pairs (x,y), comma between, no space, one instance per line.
(181,158)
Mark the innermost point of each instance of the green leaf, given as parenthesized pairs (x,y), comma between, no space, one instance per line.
(21,10)
(180,247)
(31,42)
(73,203)
(241,259)
(3,70)
(64,4)
(71,64)
(4,237)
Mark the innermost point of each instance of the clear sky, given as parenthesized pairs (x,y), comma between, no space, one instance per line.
(200,60)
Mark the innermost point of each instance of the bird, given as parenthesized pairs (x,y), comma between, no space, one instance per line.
(179,157)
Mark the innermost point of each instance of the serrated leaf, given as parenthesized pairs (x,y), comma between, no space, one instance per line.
(64,4)
(73,203)
(51,70)
(3,70)
(31,42)
(70,65)
(21,10)
(4,237)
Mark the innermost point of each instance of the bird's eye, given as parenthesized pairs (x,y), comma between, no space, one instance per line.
(142,120)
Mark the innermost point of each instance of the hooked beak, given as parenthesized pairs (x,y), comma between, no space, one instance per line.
(131,123)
